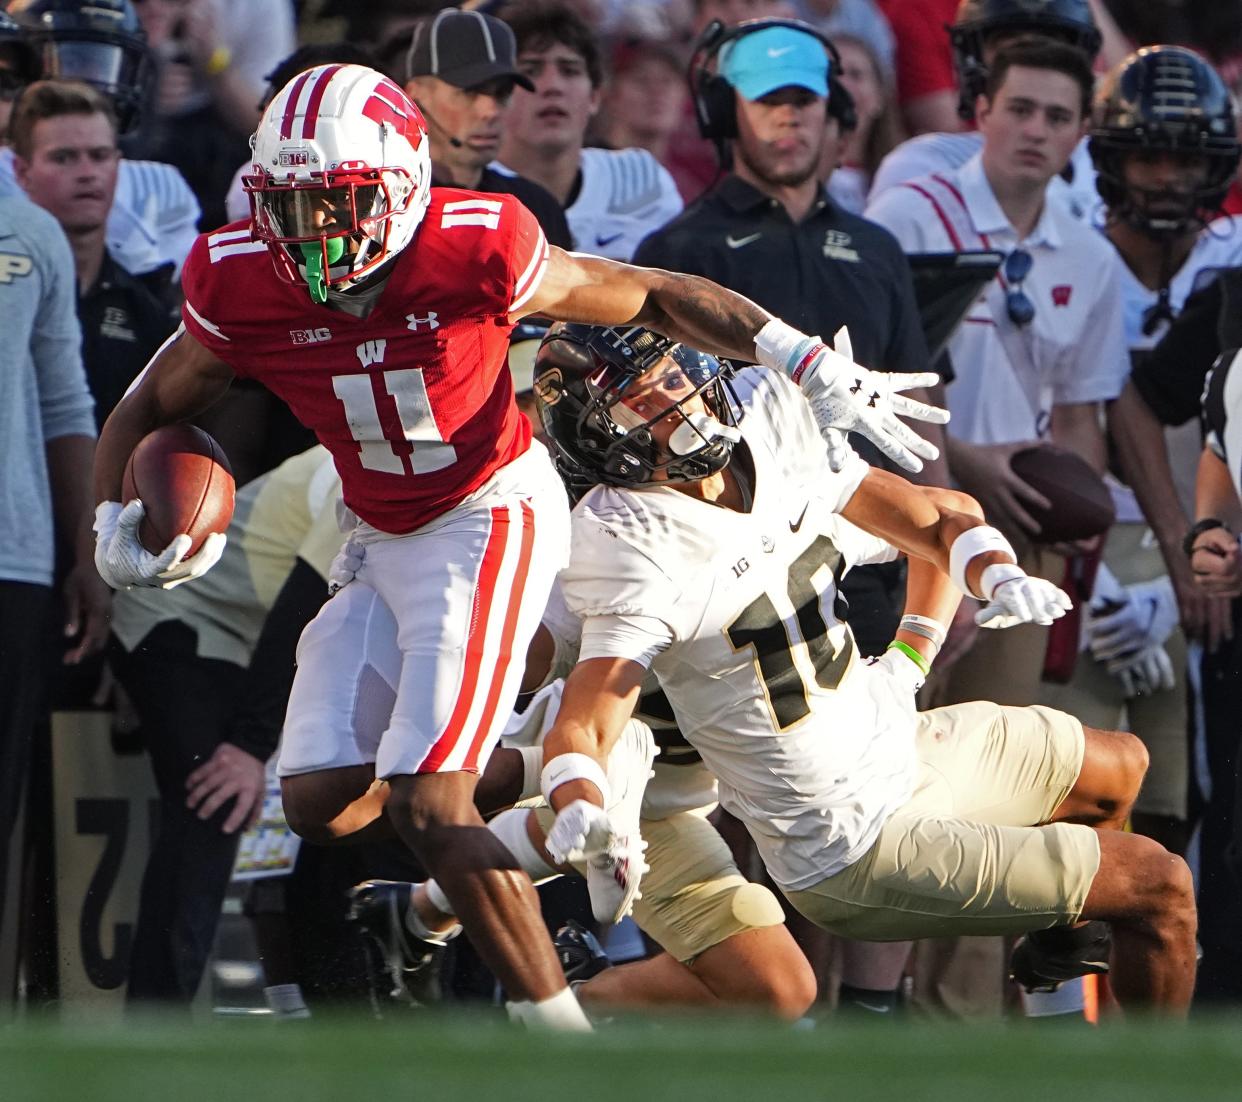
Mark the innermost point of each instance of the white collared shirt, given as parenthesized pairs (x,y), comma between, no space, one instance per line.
(1009,377)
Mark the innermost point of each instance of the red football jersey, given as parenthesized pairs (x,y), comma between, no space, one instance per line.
(414,401)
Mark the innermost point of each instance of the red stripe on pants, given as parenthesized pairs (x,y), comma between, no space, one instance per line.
(517,592)
(480,617)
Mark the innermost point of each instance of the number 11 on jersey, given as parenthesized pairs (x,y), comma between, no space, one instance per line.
(418,426)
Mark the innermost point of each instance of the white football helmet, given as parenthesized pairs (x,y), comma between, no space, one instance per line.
(341,176)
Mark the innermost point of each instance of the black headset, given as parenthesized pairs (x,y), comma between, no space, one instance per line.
(714,104)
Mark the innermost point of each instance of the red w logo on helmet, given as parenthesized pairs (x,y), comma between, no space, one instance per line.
(388,104)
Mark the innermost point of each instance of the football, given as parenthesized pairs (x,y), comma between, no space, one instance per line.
(1081,508)
(185,483)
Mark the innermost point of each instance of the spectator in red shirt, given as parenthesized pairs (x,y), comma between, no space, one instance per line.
(926,81)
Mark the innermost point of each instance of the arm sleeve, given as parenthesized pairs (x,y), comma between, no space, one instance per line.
(65,403)
(528,257)
(200,304)
(1097,371)
(638,638)
(1170,377)
(260,714)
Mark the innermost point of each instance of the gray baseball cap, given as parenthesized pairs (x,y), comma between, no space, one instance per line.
(465,49)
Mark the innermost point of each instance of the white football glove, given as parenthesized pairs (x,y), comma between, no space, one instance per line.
(845,396)
(581,830)
(1144,672)
(839,449)
(1146,618)
(122,561)
(345,566)
(1023,600)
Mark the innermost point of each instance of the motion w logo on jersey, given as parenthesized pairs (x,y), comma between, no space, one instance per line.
(371,352)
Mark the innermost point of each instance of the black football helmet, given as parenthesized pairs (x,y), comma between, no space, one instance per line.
(99,42)
(1163,98)
(25,58)
(582,376)
(977,20)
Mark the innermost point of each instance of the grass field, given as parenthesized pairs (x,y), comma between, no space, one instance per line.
(441,1059)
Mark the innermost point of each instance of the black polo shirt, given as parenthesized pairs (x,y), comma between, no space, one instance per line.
(1171,376)
(124,321)
(831,269)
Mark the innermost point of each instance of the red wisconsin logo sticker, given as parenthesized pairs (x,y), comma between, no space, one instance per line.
(1061,294)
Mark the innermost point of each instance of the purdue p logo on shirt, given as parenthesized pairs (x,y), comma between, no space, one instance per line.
(14,265)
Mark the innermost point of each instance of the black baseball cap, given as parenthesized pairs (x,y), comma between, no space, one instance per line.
(464,48)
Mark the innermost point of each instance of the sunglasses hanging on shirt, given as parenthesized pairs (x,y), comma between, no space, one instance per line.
(1018,303)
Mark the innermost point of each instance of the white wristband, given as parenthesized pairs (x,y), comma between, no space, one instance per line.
(784,348)
(573,767)
(972,542)
(996,575)
(924,626)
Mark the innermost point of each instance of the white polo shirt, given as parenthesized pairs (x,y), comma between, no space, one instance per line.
(1009,377)
(625,195)
(926,154)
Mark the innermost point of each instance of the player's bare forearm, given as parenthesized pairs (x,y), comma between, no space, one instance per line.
(599,697)
(183,379)
(922,521)
(1144,458)
(929,592)
(687,308)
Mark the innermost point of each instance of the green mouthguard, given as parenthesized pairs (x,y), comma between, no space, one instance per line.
(315,276)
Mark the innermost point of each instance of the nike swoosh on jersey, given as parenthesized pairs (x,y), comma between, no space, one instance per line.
(603,242)
(738,242)
(794,525)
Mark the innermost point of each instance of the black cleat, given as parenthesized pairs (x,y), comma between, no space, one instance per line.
(1045,959)
(409,964)
(580,953)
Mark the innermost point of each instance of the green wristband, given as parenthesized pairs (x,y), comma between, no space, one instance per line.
(913,655)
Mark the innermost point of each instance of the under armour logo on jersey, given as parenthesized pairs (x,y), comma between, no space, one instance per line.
(1061,294)
(415,321)
(14,265)
(371,352)
(310,336)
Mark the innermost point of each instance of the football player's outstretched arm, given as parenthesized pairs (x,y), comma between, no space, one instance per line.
(947,529)
(598,699)
(704,315)
(181,380)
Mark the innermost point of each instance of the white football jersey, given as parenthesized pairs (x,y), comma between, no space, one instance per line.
(810,747)
(625,195)
(926,154)
(680,781)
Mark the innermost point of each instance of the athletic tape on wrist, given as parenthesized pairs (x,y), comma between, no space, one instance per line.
(573,767)
(994,576)
(925,627)
(972,542)
(784,348)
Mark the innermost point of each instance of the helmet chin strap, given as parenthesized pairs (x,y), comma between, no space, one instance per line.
(316,277)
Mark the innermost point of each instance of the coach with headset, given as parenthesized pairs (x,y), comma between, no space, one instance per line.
(766,93)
